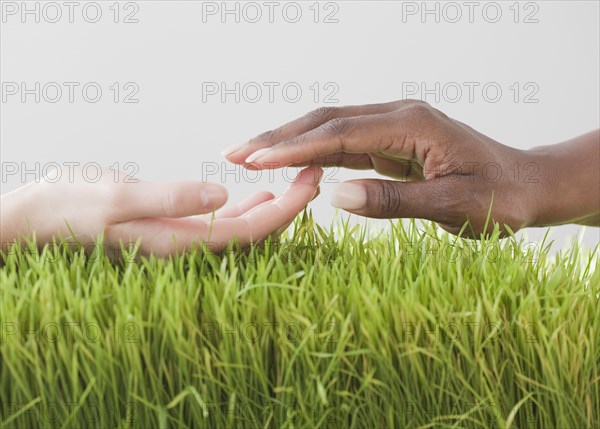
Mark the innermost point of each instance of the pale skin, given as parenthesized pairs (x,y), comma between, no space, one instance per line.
(441,167)
(445,171)
(163,215)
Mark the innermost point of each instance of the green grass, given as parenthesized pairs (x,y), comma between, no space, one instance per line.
(411,328)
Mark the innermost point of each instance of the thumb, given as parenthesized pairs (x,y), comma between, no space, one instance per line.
(388,199)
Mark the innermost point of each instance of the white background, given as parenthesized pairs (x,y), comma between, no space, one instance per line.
(372,54)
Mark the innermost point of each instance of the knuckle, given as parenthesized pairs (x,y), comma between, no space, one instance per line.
(322,114)
(337,127)
(410,102)
(424,116)
(117,197)
(419,108)
(169,204)
(267,136)
(423,111)
(388,199)
(115,194)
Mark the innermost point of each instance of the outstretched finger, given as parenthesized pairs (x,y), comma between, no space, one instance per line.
(297,127)
(389,134)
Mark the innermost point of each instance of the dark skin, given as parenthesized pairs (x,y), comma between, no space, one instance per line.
(444,170)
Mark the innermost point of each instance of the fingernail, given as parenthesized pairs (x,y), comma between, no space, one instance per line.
(232,149)
(309,176)
(213,194)
(349,196)
(256,155)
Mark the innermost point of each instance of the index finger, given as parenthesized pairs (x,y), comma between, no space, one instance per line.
(399,134)
(238,153)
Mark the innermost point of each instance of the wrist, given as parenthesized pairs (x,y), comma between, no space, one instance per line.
(565,186)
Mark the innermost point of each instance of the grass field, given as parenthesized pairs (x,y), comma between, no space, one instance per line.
(411,328)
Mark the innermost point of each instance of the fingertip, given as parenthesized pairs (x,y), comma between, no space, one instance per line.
(232,150)
(310,176)
(265,195)
(256,156)
(213,195)
(237,157)
(267,158)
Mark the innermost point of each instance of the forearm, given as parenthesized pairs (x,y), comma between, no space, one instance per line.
(568,181)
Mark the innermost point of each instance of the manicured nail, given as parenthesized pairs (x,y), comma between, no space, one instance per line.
(256,155)
(349,196)
(232,149)
(213,194)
